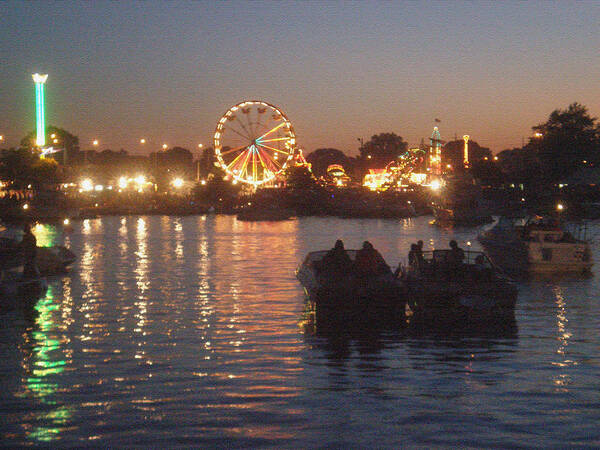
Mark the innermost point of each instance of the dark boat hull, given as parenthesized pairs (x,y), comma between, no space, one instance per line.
(481,301)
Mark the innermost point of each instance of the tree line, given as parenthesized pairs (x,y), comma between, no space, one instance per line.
(566,142)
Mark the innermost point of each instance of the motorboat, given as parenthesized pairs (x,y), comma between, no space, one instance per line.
(537,245)
(255,214)
(17,290)
(349,291)
(441,287)
(49,260)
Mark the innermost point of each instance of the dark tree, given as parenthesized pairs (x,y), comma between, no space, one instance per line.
(453,153)
(217,191)
(565,140)
(299,177)
(206,162)
(382,149)
(322,158)
(176,161)
(23,167)
(64,140)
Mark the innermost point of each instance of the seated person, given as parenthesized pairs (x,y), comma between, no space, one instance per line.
(336,264)
(456,255)
(414,261)
(369,262)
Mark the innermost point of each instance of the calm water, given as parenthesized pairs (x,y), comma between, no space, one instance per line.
(193,332)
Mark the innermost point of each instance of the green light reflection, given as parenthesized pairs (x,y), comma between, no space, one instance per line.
(47,362)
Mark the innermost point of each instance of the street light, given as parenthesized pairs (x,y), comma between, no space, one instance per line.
(142,141)
(95,143)
(164,146)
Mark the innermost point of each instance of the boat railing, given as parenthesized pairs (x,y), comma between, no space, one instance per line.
(443,257)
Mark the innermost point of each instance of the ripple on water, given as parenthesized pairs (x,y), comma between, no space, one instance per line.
(193,332)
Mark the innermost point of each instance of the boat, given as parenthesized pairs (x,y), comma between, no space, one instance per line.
(17,290)
(460,203)
(537,245)
(472,289)
(52,260)
(255,214)
(350,292)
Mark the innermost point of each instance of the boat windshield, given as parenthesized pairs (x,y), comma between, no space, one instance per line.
(442,258)
(313,257)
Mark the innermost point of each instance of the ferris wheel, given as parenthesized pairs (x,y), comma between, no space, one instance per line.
(254,141)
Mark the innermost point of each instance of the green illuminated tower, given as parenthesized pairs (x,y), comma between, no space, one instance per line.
(39,81)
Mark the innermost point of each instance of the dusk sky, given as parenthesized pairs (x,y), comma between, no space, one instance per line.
(167,71)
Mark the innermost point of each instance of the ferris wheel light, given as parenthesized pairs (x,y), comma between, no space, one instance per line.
(257,160)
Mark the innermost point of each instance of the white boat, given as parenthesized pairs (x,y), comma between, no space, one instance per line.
(536,245)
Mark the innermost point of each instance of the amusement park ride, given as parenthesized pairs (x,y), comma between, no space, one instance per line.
(254,142)
(398,173)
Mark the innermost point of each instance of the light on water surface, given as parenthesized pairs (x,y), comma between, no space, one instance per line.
(193,331)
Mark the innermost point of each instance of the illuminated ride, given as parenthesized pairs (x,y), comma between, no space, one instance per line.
(40,81)
(254,142)
(435,152)
(337,174)
(40,116)
(399,172)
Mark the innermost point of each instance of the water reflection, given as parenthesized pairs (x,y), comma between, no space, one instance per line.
(562,380)
(192,332)
(46,235)
(338,335)
(43,368)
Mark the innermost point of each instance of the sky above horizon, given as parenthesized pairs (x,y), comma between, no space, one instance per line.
(167,71)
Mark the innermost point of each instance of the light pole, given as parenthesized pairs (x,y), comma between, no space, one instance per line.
(198,162)
(466,151)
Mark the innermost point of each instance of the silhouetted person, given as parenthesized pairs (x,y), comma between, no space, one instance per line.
(29,249)
(413,259)
(369,262)
(336,264)
(456,255)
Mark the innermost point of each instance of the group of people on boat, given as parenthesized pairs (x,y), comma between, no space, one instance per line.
(336,265)
(452,259)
